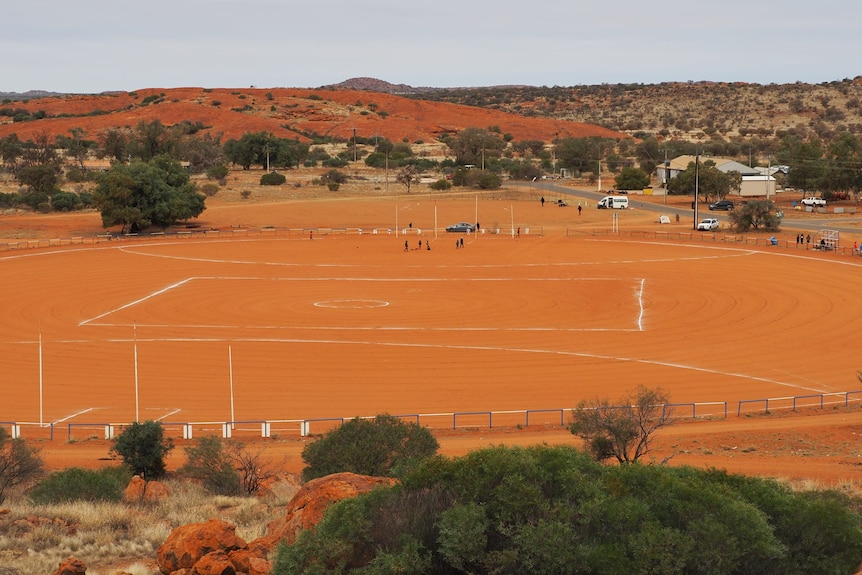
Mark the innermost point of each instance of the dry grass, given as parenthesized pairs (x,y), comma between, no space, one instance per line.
(108,537)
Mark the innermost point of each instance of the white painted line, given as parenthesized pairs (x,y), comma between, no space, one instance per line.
(137,301)
(82,412)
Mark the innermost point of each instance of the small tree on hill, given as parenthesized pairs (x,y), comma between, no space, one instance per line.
(143,448)
(381,446)
(622,431)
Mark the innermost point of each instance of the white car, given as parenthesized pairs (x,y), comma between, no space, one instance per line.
(816,202)
(707,225)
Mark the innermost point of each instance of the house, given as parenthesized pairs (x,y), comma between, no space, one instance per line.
(754,181)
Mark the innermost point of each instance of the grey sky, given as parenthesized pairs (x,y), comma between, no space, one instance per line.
(90,46)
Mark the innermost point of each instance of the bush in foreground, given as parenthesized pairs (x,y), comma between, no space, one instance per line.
(76,484)
(554,510)
(381,446)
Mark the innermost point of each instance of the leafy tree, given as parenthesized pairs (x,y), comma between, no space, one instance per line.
(253,148)
(76,147)
(19,463)
(40,178)
(805,161)
(622,431)
(476,146)
(143,194)
(631,179)
(757,215)
(11,150)
(581,155)
(406,176)
(114,144)
(712,183)
(152,139)
(143,448)
(381,446)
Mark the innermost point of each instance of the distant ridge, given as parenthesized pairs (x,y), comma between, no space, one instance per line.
(365,84)
(29,95)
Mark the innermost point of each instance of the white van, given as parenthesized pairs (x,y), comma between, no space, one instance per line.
(614,203)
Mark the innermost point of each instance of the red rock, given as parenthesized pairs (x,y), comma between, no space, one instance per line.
(215,563)
(185,546)
(139,490)
(308,505)
(71,566)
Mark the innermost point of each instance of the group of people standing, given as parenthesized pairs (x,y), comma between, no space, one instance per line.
(803,239)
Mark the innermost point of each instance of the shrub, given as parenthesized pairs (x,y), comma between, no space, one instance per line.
(212,465)
(384,445)
(65,201)
(209,189)
(333,186)
(218,172)
(245,194)
(272,179)
(78,484)
(143,448)
(440,185)
(19,463)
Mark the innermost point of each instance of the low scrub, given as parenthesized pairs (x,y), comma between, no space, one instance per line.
(76,484)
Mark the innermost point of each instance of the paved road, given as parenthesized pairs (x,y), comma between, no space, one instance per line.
(793,224)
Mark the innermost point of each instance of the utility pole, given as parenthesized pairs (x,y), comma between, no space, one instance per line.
(354,144)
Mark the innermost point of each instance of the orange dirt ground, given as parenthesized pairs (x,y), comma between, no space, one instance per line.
(284,327)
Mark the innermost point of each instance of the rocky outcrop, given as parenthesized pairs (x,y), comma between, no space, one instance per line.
(71,566)
(213,548)
(187,545)
(139,490)
(311,501)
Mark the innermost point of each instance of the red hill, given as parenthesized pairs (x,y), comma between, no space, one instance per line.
(286,112)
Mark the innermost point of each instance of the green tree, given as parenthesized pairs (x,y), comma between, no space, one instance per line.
(381,446)
(253,148)
(114,144)
(757,215)
(272,179)
(475,146)
(631,179)
(712,183)
(143,448)
(622,430)
(19,463)
(40,178)
(143,194)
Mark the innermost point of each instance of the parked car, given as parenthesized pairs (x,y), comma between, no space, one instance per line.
(816,202)
(708,225)
(722,205)
(462,227)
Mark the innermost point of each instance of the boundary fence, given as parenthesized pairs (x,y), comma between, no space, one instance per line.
(712,237)
(257,233)
(443,421)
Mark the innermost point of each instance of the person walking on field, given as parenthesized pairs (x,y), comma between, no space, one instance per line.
(406,246)
(543,201)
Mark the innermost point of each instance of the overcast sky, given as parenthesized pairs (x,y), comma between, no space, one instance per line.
(88,46)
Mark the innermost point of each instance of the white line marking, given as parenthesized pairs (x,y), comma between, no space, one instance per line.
(82,412)
(137,301)
(641,305)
